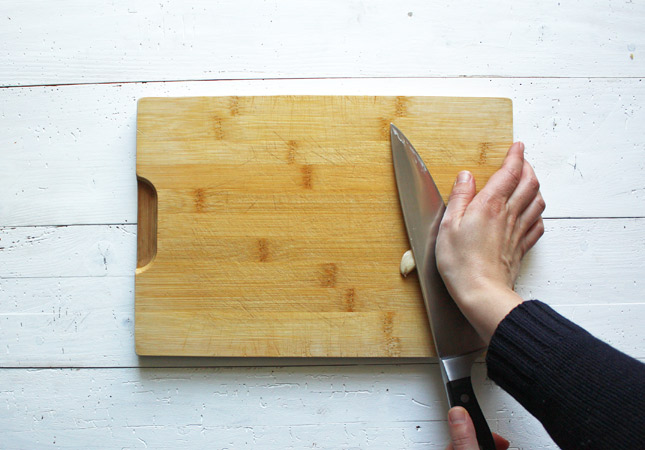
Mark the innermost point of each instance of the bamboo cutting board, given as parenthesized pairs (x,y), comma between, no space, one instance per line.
(271,226)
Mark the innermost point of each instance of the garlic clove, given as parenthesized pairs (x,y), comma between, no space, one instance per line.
(407,263)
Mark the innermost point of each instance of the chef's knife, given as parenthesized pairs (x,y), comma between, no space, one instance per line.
(456,341)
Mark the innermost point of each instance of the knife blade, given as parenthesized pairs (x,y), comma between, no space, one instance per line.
(456,341)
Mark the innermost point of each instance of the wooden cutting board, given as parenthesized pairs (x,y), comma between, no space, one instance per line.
(271,226)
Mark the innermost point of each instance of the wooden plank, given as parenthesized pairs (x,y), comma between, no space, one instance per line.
(60,251)
(72,160)
(68,315)
(67,322)
(585,262)
(174,40)
(394,407)
(89,322)
(568,261)
(191,298)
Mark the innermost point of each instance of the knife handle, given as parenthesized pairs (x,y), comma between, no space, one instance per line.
(460,393)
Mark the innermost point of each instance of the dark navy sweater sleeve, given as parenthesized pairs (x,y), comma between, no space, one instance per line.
(587,394)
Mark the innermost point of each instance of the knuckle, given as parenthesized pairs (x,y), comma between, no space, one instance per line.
(512,218)
(540,228)
(462,442)
(458,195)
(447,223)
(460,191)
(541,204)
(534,184)
(493,205)
(513,173)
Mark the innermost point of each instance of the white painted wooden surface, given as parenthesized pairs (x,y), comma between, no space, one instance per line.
(120,40)
(71,160)
(69,377)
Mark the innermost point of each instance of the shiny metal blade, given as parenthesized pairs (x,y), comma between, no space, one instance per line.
(423,210)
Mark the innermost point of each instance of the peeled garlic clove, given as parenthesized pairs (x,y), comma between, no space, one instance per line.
(407,263)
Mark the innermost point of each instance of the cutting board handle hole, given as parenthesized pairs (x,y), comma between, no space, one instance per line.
(146,224)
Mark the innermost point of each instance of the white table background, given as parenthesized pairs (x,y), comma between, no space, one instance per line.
(70,75)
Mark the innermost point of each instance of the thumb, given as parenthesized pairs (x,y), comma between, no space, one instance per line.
(462,194)
(462,430)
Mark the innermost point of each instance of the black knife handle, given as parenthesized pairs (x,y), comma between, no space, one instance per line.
(460,393)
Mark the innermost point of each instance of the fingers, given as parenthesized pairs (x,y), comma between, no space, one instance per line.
(500,442)
(463,435)
(532,236)
(531,214)
(526,190)
(505,180)
(462,194)
(462,430)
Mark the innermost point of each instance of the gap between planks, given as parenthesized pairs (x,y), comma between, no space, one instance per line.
(135,223)
(188,80)
(251,365)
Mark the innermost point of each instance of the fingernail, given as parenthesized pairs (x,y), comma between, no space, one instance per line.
(463,177)
(521,145)
(457,416)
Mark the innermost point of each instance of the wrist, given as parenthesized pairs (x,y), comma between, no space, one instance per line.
(487,305)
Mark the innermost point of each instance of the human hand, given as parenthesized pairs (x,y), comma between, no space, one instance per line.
(462,432)
(483,238)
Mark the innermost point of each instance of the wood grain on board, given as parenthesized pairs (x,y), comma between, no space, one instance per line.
(278,226)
